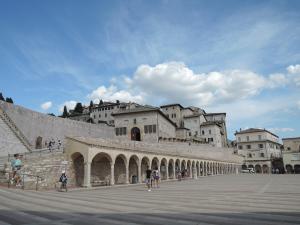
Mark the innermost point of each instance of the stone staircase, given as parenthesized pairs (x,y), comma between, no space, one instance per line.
(13,140)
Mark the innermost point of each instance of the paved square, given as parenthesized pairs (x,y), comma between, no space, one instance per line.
(231,199)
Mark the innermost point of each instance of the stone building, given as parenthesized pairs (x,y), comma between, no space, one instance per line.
(259,147)
(291,154)
(143,123)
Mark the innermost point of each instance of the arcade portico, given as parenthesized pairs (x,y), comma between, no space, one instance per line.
(112,162)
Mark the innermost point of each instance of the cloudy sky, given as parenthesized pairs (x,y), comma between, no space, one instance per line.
(238,57)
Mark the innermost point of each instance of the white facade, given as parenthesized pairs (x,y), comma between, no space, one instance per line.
(291,154)
(211,133)
(259,147)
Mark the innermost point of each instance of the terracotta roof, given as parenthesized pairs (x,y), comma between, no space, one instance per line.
(175,104)
(252,130)
(142,109)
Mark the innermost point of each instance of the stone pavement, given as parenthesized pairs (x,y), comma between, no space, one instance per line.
(231,199)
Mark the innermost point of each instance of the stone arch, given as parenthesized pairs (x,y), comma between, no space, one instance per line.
(133,169)
(145,164)
(183,165)
(265,168)
(135,134)
(101,169)
(210,168)
(177,165)
(250,166)
(120,169)
(201,169)
(289,168)
(244,167)
(189,169)
(155,164)
(171,169)
(297,168)
(163,169)
(258,168)
(78,168)
(194,172)
(197,169)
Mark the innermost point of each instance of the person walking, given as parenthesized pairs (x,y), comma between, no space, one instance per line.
(156,177)
(148,178)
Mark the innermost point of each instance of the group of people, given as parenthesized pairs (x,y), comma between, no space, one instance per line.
(51,144)
(16,165)
(152,178)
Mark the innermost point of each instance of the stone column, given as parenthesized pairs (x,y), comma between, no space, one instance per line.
(174,170)
(140,173)
(167,171)
(112,174)
(87,175)
(127,174)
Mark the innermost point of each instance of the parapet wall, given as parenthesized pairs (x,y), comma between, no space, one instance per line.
(34,124)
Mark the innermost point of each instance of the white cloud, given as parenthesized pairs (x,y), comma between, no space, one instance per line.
(112,94)
(70,105)
(175,82)
(277,80)
(283,129)
(293,69)
(46,105)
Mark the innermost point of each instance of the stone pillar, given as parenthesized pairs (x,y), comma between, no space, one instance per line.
(112,174)
(174,171)
(167,171)
(140,173)
(127,173)
(87,175)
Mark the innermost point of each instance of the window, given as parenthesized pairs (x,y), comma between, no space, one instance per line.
(134,121)
(247,138)
(209,131)
(146,129)
(248,146)
(260,145)
(250,155)
(124,130)
(239,138)
(288,148)
(174,115)
(94,116)
(196,133)
(121,131)
(203,132)
(117,131)
(154,128)
(262,154)
(240,146)
(150,129)
(190,133)
(105,114)
(259,137)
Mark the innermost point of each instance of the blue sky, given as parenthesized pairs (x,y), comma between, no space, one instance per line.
(239,57)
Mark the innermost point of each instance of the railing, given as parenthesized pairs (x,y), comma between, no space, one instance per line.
(22,176)
(15,130)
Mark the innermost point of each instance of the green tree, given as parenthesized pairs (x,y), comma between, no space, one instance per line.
(1,97)
(9,100)
(65,112)
(51,114)
(78,108)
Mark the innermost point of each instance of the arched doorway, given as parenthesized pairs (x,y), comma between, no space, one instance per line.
(145,164)
(258,169)
(297,168)
(133,169)
(189,169)
(39,142)
(78,168)
(101,169)
(265,168)
(120,170)
(163,169)
(155,164)
(135,134)
(171,169)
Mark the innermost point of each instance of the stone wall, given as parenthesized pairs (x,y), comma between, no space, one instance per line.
(48,167)
(34,124)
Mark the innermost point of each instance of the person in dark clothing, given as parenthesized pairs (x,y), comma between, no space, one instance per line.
(63,179)
(148,178)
